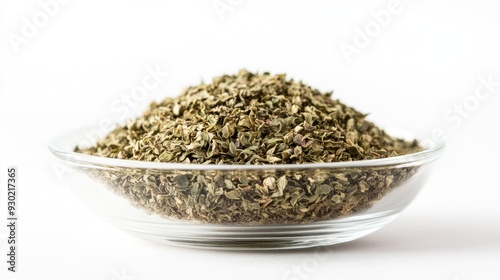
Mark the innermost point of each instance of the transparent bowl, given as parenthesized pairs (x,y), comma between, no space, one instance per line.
(256,207)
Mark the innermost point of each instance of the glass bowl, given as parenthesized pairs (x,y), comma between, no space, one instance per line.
(239,207)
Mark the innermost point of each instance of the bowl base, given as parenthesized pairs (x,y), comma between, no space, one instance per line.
(231,237)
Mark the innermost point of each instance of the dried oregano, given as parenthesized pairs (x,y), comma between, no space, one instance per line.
(252,119)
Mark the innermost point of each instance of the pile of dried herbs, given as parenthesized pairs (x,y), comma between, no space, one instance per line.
(252,119)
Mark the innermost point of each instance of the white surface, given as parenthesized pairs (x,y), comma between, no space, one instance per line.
(427,58)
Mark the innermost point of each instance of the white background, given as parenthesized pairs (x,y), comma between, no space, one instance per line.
(425,61)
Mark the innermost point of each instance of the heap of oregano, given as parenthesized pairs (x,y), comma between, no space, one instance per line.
(252,119)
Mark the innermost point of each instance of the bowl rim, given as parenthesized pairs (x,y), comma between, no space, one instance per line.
(432,152)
